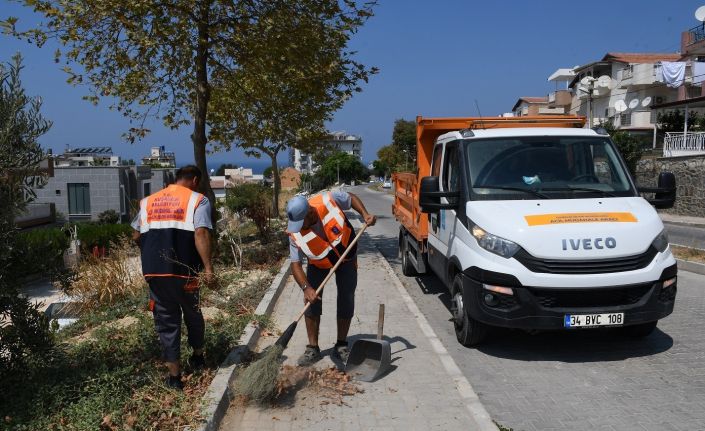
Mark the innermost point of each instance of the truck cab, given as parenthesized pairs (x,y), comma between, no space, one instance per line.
(540,228)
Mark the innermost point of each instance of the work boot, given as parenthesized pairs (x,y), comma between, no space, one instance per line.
(197,362)
(341,351)
(174,382)
(311,355)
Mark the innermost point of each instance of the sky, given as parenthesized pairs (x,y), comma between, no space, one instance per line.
(436,58)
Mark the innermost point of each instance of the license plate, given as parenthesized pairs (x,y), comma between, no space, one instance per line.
(589,320)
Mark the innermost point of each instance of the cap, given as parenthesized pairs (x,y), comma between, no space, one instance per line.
(296,210)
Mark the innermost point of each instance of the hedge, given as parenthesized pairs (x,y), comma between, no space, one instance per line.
(41,250)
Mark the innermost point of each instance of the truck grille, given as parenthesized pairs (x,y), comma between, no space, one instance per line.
(592,266)
(599,297)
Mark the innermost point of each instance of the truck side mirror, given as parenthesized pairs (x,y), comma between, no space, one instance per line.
(430,196)
(665,193)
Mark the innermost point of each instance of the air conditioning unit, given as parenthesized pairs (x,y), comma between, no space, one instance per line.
(659,100)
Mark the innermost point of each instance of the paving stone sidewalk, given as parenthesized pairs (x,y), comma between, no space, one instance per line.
(418,394)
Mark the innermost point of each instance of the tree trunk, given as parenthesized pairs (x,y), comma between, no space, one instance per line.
(199,137)
(277,183)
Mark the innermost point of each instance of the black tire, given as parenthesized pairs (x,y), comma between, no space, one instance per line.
(407,268)
(468,331)
(639,331)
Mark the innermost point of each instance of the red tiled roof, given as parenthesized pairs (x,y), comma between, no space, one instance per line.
(641,57)
(529,99)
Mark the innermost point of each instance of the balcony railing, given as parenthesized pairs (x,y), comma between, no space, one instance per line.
(697,34)
(677,144)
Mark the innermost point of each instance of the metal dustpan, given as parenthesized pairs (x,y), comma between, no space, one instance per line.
(369,359)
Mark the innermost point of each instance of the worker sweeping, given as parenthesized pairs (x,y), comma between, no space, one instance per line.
(319,230)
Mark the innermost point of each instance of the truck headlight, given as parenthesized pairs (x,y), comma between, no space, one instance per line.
(661,241)
(493,243)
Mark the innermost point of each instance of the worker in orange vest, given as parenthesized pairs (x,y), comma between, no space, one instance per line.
(319,230)
(173,231)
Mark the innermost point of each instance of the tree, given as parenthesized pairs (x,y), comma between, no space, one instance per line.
(221,169)
(343,166)
(627,144)
(179,61)
(252,201)
(389,159)
(404,140)
(674,121)
(24,330)
(267,172)
(300,72)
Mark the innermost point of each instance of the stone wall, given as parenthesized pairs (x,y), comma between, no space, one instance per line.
(690,181)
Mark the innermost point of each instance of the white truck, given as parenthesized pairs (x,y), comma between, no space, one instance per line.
(534,223)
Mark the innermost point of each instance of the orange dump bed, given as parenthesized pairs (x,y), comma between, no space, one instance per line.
(406,184)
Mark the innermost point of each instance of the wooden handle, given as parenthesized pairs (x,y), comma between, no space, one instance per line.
(335,267)
(380,322)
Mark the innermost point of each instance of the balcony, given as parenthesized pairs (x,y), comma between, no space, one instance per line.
(559,98)
(697,34)
(677,144)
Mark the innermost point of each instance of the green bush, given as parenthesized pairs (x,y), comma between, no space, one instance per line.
(108,217)
(253,201)
(101,235)
(40,251)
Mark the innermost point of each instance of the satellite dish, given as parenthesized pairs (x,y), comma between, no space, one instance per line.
(646,102)
(604,81)
(586,81)
(620,106)
(700,13)
(633,103)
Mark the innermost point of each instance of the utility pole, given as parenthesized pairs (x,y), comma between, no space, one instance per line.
(337,165)
(591,88)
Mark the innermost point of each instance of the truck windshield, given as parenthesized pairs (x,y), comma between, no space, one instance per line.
(553,167)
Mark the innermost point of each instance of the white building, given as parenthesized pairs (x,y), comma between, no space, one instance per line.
(622,87)
(87,156)
(340,141)
(159,157)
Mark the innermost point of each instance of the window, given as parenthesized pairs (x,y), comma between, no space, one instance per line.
(79,198)
(450,168)
(147,188)
(437,152)
(625,119)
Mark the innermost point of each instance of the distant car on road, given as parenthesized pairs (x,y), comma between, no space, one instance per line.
(387,185)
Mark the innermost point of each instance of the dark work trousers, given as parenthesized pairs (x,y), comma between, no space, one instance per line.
(170,300)
(345,279)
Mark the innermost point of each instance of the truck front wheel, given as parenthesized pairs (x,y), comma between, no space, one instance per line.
(468,331)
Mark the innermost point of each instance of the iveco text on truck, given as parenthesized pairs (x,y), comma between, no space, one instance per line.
(534,223)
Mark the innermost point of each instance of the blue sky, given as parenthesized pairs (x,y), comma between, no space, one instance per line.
(435,58)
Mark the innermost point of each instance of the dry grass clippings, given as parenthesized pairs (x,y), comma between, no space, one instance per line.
(330,384)
(688,253)
(258,382)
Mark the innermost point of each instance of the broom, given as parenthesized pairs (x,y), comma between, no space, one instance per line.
(258,381)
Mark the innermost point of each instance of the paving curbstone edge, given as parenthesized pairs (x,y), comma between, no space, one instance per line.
(218,396)
(686,265)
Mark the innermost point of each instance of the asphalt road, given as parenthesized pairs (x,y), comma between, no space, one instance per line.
(578,380)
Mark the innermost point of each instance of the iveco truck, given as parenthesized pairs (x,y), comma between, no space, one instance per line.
(535,223)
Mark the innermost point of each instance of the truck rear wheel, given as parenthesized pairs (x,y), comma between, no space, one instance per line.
(468,331)
(407,268)
(639,331)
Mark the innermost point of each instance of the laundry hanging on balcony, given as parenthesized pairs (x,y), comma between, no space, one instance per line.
(698,72)
(673,73)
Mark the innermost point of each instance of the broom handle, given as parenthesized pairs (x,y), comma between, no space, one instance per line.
(335,267)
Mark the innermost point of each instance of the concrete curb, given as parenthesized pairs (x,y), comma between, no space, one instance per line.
(218,396)
(465,391)
(686,265)
(684,224)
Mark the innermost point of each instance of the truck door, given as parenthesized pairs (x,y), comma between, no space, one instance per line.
(444,232)
(435,256)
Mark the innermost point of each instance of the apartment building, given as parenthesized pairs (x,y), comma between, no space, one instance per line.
(338,141)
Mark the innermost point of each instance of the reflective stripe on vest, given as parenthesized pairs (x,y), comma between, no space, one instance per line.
(321,252)
(167,210)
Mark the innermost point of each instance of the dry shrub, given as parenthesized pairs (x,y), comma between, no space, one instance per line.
(101,282)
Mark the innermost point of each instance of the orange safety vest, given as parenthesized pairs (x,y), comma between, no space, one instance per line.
(324,252)
(167,234)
